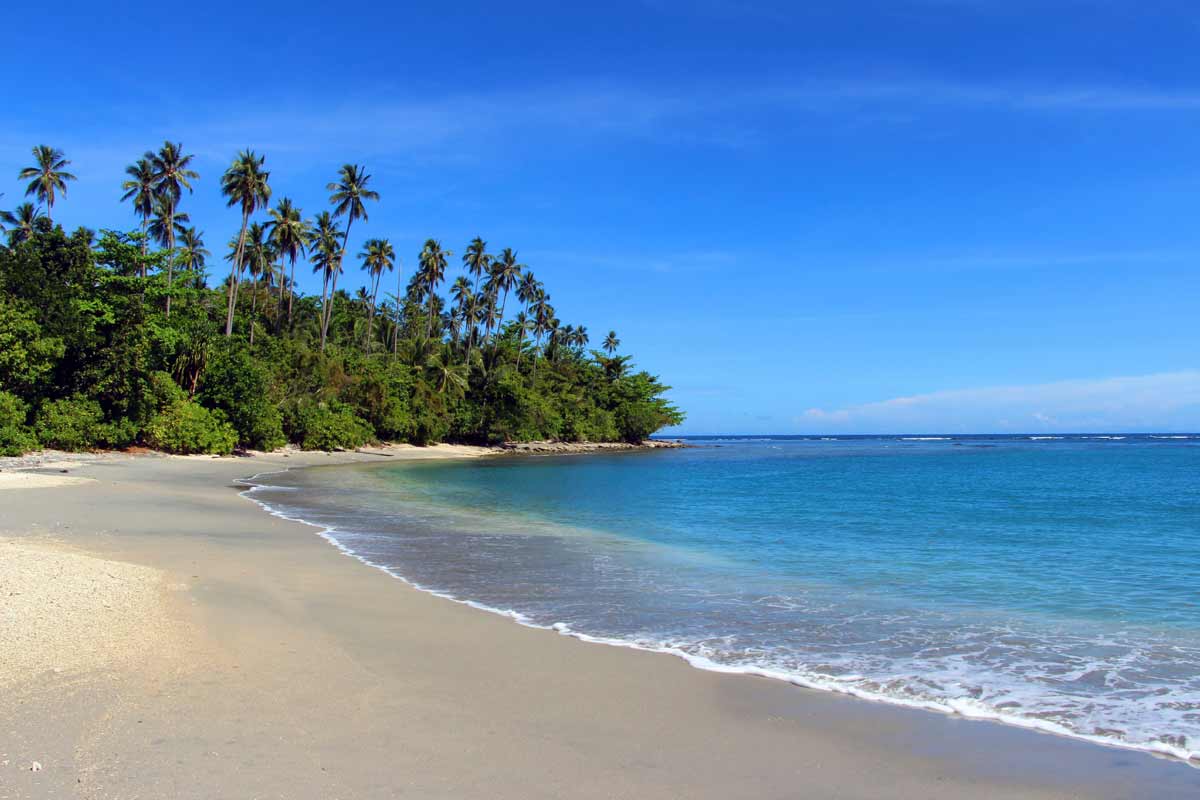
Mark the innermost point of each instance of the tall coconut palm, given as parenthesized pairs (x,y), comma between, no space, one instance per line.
(432,271)
(21,222)
(48,177)
(290,234)
(172,174)
(246,185)
(192,255)
(347,195)
(378,256)
(611,342)
(506,272)
(139,190)
(325,246)
(477,263)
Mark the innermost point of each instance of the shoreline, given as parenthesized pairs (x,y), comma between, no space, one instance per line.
(645,726)
(1160,750)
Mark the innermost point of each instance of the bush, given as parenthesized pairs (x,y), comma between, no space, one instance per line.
(75,423)
(327,426)
(187,427)
(15,436)
(240,386)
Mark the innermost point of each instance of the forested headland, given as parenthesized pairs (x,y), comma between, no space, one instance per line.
(116,338)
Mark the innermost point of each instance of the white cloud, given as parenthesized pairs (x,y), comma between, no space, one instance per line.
(1164,401)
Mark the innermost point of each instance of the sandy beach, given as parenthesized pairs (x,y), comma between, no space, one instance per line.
(161,636)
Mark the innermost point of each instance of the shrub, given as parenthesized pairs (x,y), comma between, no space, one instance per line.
(240,386)
(15,436)
(187,427)
(74,423)
(327,426)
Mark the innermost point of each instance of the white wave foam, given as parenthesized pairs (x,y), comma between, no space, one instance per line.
(925,438)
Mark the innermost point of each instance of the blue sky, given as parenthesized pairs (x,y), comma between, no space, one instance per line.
(901,216)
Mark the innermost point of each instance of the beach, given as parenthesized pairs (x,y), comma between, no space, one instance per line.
(172,639)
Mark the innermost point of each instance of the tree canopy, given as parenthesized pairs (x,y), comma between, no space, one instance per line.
(116,339)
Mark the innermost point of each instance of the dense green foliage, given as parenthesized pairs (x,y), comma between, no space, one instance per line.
(106,341)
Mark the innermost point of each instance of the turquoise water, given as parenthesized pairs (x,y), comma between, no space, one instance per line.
(1046,582)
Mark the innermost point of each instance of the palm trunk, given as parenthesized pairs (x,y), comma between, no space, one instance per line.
(234,273)
(396,333)
(253,308)
(291,290)
(170,255)
(329,316)
(520,346)
(145,221)
(503,303)
(371,313)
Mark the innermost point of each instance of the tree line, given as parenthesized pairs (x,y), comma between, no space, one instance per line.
(115,338)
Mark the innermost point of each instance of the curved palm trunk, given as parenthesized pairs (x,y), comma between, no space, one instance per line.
(291,290)
(371,313)
(234,272)
(329,311)
(503,303)
(253,308)
(142,266)
(396,332)
(170,255)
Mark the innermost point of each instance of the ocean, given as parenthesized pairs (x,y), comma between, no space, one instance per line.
(1051,582)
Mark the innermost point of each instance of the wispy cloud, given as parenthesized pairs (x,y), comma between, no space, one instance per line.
(1162,401)
(725,115)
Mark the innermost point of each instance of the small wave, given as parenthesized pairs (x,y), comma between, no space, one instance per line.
(1111,438)
(1175,437)
(925,438)
(1040,438)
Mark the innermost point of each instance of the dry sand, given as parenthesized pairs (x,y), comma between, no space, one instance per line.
(168,639)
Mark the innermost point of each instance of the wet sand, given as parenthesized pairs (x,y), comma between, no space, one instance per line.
(229,653)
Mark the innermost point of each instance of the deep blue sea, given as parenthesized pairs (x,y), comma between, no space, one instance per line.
(1045,581)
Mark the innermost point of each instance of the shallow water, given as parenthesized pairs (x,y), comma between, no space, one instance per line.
(1042,581)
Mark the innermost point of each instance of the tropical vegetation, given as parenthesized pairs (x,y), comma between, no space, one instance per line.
(115,338)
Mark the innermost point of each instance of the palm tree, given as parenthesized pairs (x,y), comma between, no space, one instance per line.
(325,249)
(477,262)
(506,272)
(290,234)
(348,193)
(611,342)
(449,377)
(48,177)
(139,190)
(245,184)
(166,223)
(21,222)
(192,255)
(432,271)
(172,174)
(378,257)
